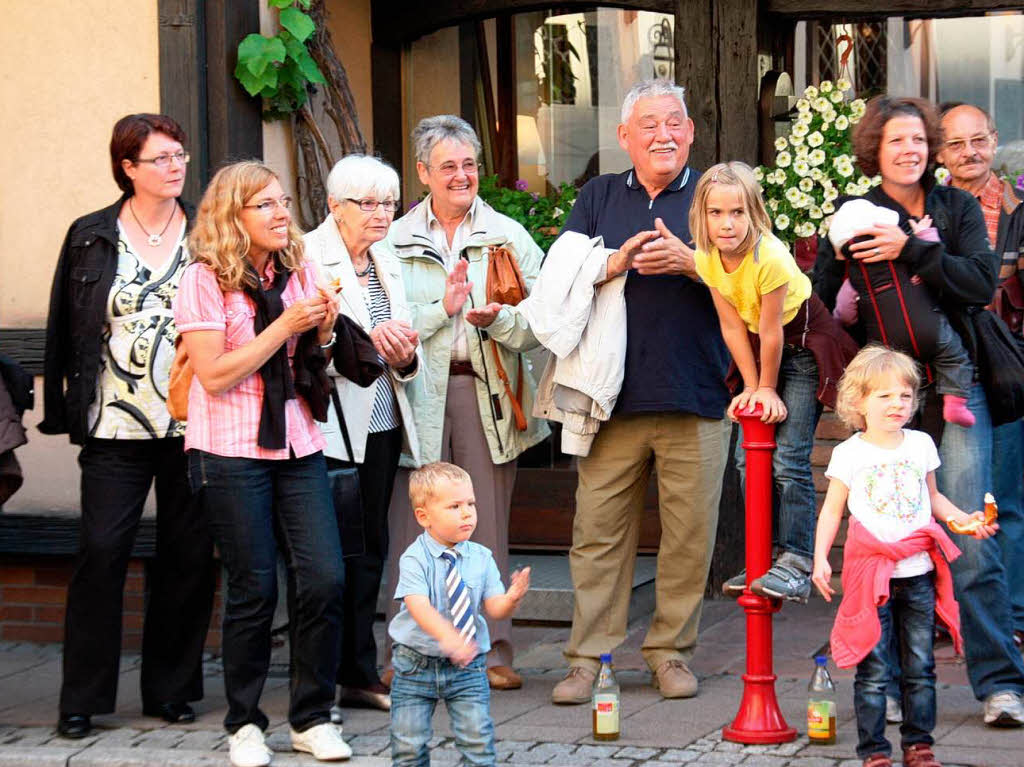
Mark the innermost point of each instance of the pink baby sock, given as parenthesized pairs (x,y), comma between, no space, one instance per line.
(954,410)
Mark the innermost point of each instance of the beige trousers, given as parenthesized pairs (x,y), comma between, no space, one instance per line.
(462,443)
(689,454)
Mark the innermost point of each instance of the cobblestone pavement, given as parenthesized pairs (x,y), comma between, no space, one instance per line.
(655,732)
(127,747)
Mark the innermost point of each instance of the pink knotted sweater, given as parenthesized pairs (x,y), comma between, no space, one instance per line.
(867,567)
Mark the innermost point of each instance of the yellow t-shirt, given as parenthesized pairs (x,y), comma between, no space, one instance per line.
(743,288)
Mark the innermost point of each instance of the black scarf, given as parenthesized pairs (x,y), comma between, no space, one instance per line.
(278,386)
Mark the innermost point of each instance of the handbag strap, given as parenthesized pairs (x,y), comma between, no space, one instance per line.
(341,422)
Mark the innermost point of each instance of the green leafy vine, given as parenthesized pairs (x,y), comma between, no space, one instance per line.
(279,69)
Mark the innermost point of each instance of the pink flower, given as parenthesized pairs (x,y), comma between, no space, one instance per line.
(521,185)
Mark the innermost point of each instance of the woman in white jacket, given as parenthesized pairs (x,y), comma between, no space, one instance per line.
(363,196)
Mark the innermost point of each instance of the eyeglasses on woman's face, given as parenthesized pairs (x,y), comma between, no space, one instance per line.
(267,207)
(469,167)
(164,161)
(369,205)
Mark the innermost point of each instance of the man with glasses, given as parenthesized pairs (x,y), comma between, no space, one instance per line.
(464,411)
(969,145)
(994,664)
(669,413)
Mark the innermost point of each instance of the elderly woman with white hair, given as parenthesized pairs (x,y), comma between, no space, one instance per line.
(363,196)
(464,413)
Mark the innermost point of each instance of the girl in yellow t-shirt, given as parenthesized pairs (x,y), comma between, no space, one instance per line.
(786,348)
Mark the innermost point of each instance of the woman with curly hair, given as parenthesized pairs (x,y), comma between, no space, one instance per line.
(255,325)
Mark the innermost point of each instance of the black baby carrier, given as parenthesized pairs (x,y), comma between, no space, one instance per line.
(895,309)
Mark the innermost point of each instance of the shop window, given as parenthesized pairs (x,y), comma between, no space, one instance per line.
(977,59)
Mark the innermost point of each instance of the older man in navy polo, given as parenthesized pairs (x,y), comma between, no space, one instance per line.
(669,415)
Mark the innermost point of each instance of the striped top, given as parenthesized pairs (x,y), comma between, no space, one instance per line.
(228,424)
(385,408)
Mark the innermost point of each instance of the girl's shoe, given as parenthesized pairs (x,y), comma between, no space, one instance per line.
(877,760)
(955,410)
(920,755)
(736,585)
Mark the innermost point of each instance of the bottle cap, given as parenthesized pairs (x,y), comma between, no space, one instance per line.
(606,657)
(820,660)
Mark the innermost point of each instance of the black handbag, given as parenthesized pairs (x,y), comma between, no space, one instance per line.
(1000,367)
(348,500)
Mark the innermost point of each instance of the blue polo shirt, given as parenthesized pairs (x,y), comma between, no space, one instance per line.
(676,360)
(422,571)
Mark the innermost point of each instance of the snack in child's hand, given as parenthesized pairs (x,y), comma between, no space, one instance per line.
(335,285)
(991,510)
(969,527)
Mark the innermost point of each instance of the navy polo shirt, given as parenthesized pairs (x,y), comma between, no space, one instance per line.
(676,359)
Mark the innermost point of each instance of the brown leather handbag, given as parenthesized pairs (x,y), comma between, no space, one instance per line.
(180,382)
(505,285)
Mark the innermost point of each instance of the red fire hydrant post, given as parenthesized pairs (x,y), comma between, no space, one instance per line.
(759,719)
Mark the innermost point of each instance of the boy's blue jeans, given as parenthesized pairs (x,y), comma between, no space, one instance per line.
(420,681)
(910,614)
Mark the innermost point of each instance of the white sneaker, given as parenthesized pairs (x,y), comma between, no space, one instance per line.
(248,748)
(893,710)
(1004,709)
(323,741)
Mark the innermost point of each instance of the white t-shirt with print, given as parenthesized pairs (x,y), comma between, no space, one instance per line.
(888,489)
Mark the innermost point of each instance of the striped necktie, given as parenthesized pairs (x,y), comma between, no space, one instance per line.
(458,598)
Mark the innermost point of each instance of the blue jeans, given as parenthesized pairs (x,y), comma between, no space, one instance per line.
(253,505)
(1008,489)
(420,681)
(910,615)
(979,578)
(791,462)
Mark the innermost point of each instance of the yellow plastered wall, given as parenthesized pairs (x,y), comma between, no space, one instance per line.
(71,69)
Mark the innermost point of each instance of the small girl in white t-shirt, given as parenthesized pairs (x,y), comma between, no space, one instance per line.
(896,578)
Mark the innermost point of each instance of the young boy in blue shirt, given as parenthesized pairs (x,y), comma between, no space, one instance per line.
(440,637)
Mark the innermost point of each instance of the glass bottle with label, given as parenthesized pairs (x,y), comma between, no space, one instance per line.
(821,704)
(606,702)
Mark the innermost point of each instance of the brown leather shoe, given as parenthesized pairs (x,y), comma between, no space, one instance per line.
(386,677)
(920,755)
(673,679)
(503,678)
(877,760)
(575,688)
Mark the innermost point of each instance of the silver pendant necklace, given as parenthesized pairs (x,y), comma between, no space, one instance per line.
(153,240)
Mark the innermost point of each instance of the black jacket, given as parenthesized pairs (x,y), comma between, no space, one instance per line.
(74,327)
(960,270)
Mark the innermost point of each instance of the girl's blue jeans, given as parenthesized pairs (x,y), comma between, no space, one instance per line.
(793,494)
(909,617)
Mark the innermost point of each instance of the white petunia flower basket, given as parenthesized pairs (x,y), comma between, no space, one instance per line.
(801,187)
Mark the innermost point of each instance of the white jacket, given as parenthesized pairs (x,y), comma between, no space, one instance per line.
(326,249)
(582,320)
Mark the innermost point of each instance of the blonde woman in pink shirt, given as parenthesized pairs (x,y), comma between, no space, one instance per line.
(256,327)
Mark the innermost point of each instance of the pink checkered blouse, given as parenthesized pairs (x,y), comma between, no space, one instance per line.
(228,424)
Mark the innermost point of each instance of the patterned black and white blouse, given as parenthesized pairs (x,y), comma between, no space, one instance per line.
(137,348)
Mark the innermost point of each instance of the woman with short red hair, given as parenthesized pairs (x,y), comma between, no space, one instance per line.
(109,345)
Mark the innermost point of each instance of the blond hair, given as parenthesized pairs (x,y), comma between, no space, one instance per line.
(219,238)
(740,175)
(872,364)
(424,481)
